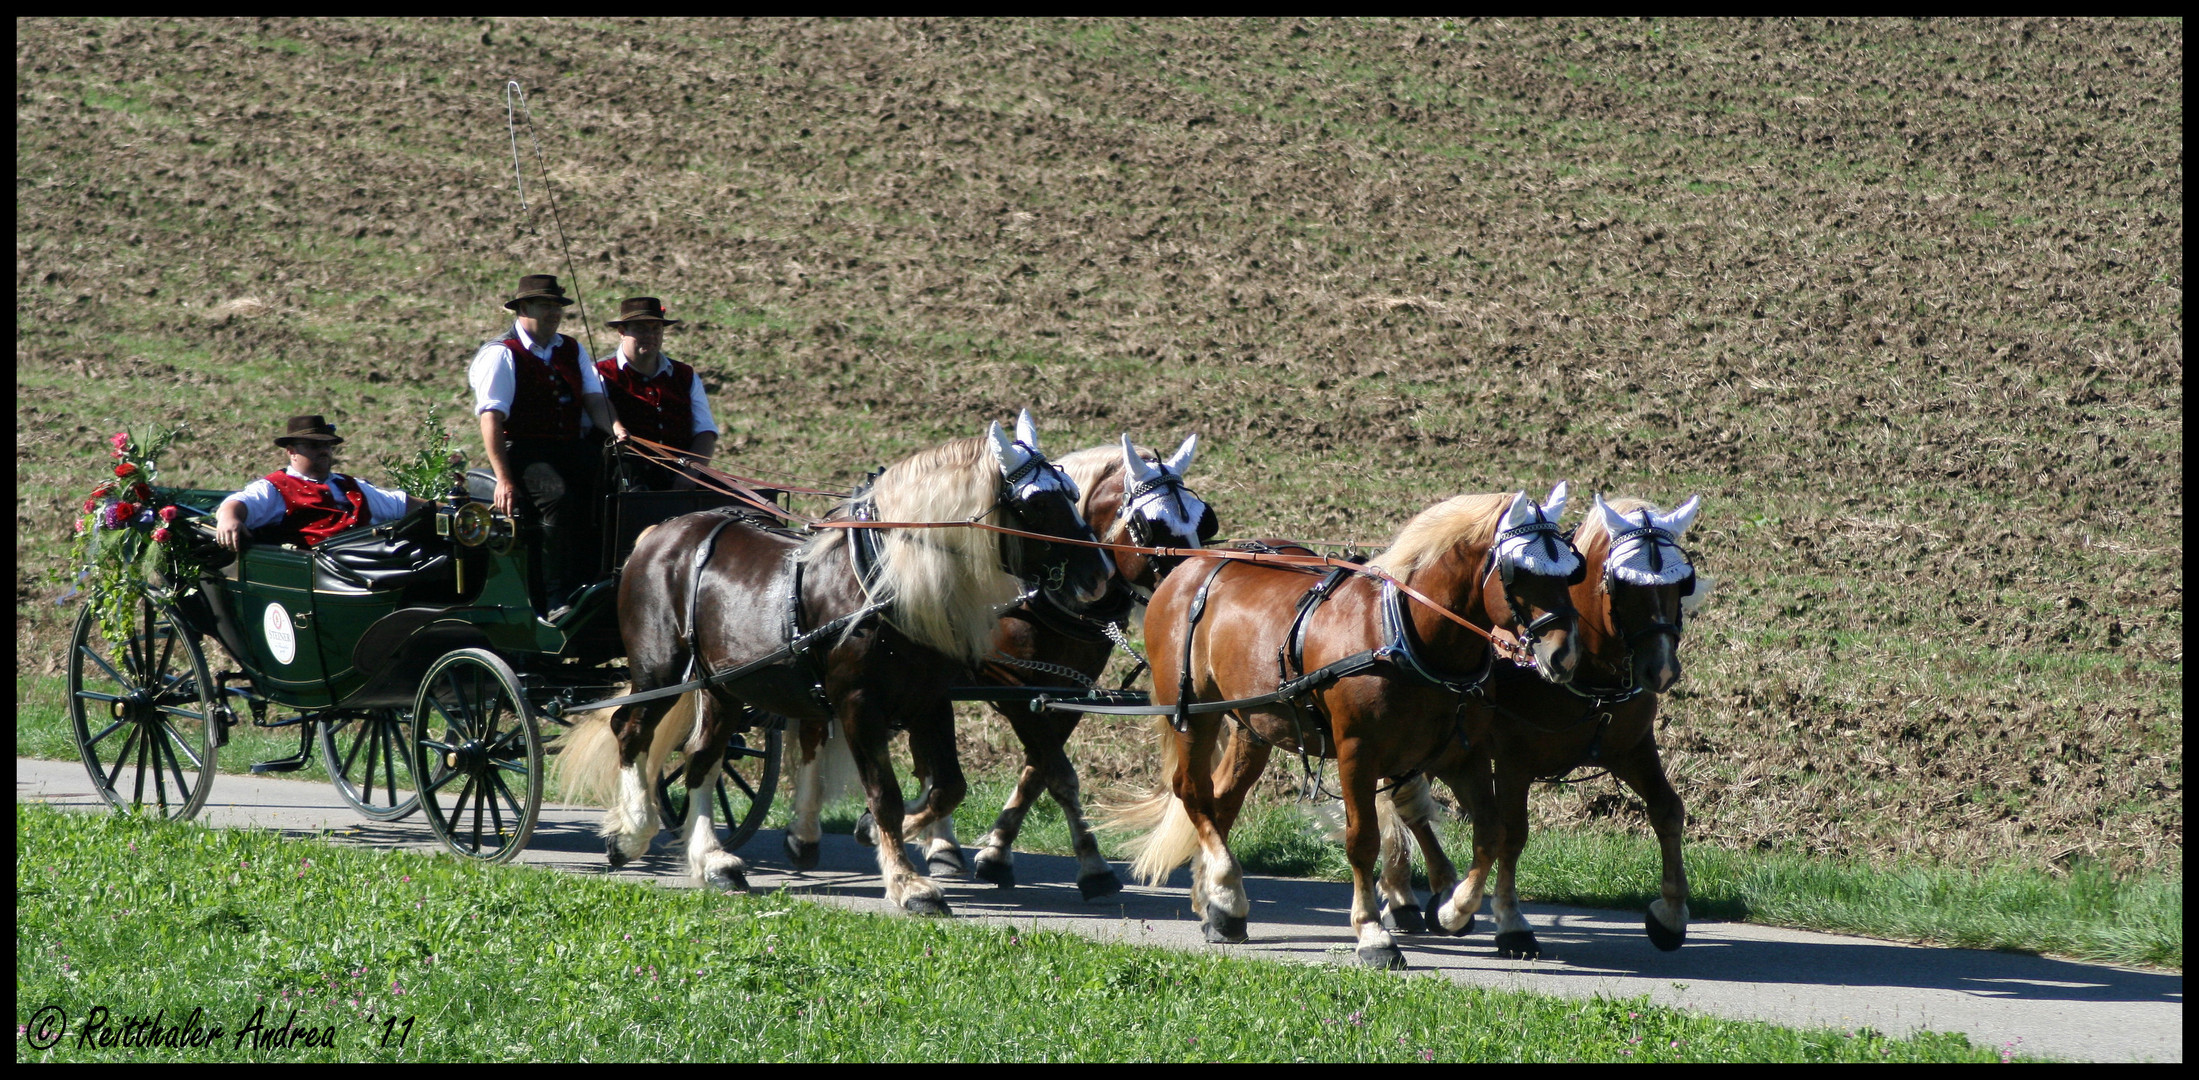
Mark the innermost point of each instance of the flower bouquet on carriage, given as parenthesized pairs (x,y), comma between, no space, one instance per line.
(130,541)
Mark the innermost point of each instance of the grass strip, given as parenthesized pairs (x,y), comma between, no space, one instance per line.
(401,957)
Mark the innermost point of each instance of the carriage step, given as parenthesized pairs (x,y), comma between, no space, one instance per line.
(288,764)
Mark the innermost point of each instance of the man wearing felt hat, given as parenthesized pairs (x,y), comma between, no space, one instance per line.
(307,502)
(654,396)
(543,415)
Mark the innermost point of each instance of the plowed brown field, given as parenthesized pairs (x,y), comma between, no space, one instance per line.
(1902,300)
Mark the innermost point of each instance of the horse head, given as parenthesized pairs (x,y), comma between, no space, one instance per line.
(1648,582)
(1533,572)
(1157,510)
(1044,500)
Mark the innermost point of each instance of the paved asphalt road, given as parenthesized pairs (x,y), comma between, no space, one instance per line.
(2042,1006)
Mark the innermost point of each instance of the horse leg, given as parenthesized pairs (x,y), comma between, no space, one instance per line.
(630,822)
(1472,784)
(1400,810)
(1515,938)
(804,834)
(867,732)
(1640,769)
(931,816)
(995,853)
(1362,846)
(1212,792)
(707,860)
(1095,878)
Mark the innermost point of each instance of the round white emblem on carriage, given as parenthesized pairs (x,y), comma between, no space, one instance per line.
(282,642)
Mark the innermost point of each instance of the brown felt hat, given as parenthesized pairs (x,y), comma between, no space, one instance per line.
(311,428)
(641,309)
(538,287)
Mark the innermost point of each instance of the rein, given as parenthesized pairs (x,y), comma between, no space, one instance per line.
(744,490)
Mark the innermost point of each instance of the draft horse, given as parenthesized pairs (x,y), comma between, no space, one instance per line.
(1632,600)
(867,629)
(1130,496)
(1383,679)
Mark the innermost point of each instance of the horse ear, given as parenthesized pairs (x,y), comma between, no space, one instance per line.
(1677,521)
(1181,459)
(1026,431)
(1520,512)
(1613,524)
(1005,450)
(1553,507)
(1140,469)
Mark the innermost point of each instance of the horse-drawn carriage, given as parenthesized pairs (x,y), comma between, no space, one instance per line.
(408,655)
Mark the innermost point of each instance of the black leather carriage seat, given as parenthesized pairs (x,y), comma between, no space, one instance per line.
(403,554)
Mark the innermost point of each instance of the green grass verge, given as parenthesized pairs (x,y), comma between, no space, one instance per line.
(515,963)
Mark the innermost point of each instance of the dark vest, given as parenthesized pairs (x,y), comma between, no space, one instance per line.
(310,514)
(660,409)
(545,397)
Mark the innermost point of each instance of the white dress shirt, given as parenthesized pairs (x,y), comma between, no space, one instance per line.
(493,380)
(264,506)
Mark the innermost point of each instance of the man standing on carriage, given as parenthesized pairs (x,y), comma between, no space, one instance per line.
(656,397)
(307,502)
(543,416)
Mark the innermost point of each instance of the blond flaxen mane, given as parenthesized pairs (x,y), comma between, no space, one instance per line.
(1441,527)
(943,587)
(1092,467)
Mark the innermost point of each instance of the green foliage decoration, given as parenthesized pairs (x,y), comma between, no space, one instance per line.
(130,541)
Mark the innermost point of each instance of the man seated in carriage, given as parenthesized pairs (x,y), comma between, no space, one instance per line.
(307,501)
(655,397)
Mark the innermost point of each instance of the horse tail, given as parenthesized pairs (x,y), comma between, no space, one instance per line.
(1168,838)
(587,759)
(840,779)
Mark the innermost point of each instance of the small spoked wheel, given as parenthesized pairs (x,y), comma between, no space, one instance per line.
(144,712)
(369,756)
(746,783)
(477,756)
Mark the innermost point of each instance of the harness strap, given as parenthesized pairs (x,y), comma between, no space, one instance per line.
(1181,717)
(703,551)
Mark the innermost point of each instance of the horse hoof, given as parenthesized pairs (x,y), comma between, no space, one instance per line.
(1404,919)
(1663,937)
(802,855)
(1097,886)
(1464,928)
(997,871)
(946,864)
(926,905)
(1381,957)
(1225,930)
(726,881)
(611,851)
(1518,945)
(866,830)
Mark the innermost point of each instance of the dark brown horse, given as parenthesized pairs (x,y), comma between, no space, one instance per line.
(896,618)
(1130,497)
(1383,680)
(1631,600)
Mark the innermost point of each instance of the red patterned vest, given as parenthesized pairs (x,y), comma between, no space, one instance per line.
(545,397)
(310,513)
(661,409)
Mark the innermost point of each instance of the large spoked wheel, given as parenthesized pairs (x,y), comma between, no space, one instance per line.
(144,713)
(746,783)
(369,756)
(477,756)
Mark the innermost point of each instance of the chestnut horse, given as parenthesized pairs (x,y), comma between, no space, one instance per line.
(880,628)
(1130,497)
(1632,600)
(1383,682)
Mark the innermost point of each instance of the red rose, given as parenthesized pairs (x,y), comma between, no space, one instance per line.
(125,511)
(142,493)
(160,536)
(170,513)
(91,504)
(125,469)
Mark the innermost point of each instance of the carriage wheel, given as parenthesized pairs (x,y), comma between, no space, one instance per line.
(369,756)
(145,714)
(477,756)
(746,784)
